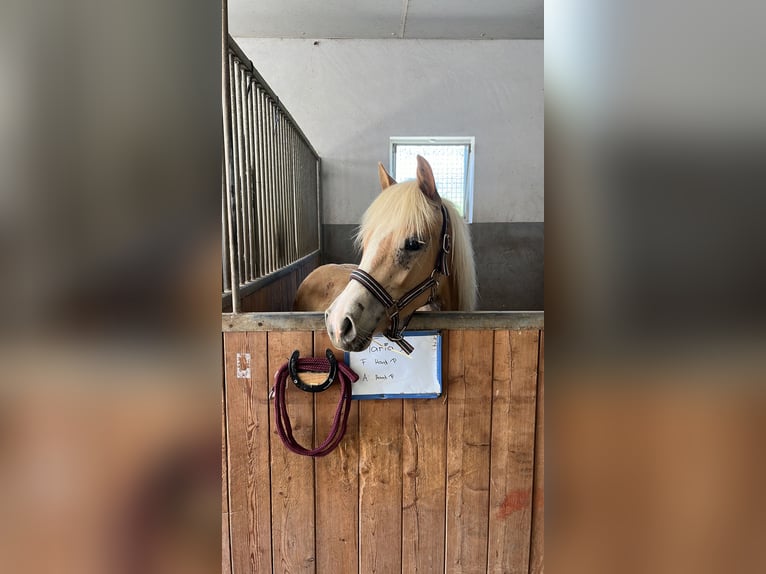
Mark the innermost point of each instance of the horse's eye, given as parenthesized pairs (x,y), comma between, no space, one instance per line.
(412,244)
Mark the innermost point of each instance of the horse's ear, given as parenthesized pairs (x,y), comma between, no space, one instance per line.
(426,179)
(385,178)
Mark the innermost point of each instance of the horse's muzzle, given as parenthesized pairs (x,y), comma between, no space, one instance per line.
(344,334)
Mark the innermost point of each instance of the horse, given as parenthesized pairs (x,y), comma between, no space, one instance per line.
(416,255)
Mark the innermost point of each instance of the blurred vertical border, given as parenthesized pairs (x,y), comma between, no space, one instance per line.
(655,286)
(110,347)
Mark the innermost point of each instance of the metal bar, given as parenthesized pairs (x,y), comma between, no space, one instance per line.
(301,203)
(236,126)
(246,193)
(258,130)
(244,247)
(285,207)
(248,178)
(438,320)
(266,182)
(283,258)
(224,236)
(235,163)
(227,157)
(277,189)
(263,155)
(258,78)
(267,201)
(308,193)
(251,176)
(296,190)
(243,238)
(272,186)
(289,203)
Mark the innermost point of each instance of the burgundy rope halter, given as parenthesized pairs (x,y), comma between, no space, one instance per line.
(395,331)
(313,365)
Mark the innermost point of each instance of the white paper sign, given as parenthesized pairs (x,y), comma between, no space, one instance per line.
(385,372)
(243,365)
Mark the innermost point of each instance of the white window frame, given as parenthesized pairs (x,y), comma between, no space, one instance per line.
(468,141)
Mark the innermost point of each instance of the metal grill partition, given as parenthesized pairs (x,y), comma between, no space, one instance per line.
(270,215)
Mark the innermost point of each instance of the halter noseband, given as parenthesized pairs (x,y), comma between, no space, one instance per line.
(395,332)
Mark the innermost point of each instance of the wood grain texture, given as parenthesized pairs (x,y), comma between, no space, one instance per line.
(224,458)
(452,484)
(225,540)
(513,444)
(248,454)
(380,486)
(536,562)
(337,480)
(421,320)
(292,475)
(424,461)
(468,449)
(225,546)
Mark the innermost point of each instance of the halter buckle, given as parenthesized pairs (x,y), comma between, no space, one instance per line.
(447,243)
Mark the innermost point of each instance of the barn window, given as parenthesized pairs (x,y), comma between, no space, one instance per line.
(451,160)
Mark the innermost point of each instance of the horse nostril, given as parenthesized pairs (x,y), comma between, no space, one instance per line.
(347,328)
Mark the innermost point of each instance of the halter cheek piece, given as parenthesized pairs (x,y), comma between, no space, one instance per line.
(395,331)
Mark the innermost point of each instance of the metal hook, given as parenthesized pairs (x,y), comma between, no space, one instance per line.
(293,368)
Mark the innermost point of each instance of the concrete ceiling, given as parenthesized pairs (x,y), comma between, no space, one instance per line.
(427,19)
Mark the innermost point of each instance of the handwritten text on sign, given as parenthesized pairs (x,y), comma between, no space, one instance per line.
(384,371)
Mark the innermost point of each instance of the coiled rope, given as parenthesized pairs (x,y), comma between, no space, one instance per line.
(282,420)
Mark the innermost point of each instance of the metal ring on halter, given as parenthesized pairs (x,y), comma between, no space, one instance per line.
(293,368)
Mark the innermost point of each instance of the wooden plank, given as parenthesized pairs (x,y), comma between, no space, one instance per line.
(337,480)
(292,475)
(468,449)
(513,445)
(224,458)
(247,414)
(423,488)
(536,563)
(225,541)
(439,320)
(225,547)
(380,486)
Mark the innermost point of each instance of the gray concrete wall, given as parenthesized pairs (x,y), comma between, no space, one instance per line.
(351,96)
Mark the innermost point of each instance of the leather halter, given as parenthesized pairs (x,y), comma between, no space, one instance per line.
(395,332)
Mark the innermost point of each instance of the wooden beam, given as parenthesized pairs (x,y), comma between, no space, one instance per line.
(447,320)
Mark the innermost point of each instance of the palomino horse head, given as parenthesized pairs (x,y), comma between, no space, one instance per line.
(402,241)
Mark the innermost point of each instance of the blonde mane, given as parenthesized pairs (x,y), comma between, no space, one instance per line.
(402,210)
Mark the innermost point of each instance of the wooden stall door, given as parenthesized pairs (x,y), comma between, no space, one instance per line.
(453,484)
